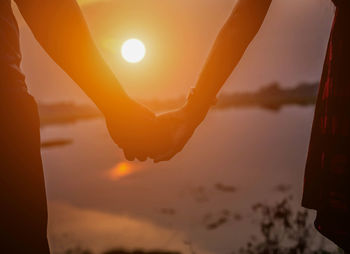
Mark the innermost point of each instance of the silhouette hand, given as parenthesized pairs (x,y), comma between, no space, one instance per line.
(132,127)
(181,124)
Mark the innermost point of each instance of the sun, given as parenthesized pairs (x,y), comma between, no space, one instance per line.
(133,51)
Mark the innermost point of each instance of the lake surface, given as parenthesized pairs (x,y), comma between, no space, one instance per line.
(237,158)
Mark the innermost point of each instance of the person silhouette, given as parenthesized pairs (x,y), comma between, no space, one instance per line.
(59,26)
(327,174)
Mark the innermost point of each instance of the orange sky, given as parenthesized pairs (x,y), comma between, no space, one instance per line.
(178,35)
(87,2)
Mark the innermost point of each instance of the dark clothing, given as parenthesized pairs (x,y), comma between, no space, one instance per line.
(327,176)
(334,225)
(23,216)
(10,55)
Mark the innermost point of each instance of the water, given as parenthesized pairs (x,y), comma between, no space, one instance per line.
(236,158)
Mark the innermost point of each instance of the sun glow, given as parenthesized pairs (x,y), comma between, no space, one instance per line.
(121,170)
(133,51)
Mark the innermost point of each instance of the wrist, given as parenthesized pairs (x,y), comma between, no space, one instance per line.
(113,104)
(198,105)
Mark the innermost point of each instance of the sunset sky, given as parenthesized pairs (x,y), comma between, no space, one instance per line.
(178,35)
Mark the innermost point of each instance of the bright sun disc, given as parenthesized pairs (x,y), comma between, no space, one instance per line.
(133,51)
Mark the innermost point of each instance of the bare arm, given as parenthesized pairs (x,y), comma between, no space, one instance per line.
(60,28)
(230,45)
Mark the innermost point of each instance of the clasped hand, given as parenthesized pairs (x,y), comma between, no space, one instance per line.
(142,134)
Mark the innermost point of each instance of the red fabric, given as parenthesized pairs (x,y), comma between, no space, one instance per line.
(328,163)
(327,175)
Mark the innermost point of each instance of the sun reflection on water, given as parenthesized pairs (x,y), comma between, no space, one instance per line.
(121,170)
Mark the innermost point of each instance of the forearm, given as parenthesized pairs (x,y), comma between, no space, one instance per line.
(230,45)
(60,28)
